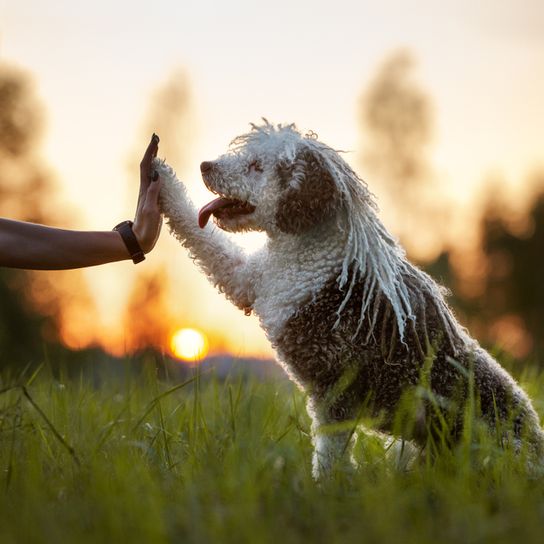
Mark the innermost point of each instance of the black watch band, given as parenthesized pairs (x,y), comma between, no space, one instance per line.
(130,240)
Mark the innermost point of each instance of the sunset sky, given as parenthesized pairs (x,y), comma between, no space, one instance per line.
(97,64)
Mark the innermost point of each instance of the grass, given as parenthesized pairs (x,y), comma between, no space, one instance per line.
(140,459)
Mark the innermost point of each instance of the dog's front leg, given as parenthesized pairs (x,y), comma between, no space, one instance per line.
(220,259)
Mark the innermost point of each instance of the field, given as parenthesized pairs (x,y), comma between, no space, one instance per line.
(139,458)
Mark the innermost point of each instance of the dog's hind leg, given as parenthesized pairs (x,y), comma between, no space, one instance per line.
(332,437)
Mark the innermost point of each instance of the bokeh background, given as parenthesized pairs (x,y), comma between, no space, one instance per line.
(439,106)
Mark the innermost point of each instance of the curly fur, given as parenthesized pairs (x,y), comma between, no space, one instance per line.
(353,322)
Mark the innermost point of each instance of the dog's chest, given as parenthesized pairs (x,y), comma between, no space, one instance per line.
(286,283)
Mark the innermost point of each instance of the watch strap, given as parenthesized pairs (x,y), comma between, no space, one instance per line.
(131,242)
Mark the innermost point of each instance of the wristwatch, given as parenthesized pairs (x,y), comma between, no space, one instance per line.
(130,240)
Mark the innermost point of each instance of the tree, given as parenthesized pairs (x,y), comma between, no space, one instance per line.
(497,285)
(151,310)
(35,306)
(512,301)
(397,123)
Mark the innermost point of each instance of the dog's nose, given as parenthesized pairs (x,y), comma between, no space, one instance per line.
(206,166)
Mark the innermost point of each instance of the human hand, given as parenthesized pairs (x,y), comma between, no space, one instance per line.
(148,220)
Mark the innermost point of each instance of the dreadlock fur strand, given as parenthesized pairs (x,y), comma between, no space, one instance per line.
(353,322)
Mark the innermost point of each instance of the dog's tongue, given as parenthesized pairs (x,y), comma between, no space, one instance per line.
(205,213)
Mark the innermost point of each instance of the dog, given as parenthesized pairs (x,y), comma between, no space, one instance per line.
(353,322)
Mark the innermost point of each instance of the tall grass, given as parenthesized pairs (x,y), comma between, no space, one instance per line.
(142,459)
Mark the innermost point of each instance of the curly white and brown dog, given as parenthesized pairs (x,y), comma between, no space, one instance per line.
(353,322)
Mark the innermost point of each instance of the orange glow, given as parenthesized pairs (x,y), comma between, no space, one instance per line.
(189,345)
(123,309)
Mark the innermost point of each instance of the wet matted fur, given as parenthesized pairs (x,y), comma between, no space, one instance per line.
(353,322)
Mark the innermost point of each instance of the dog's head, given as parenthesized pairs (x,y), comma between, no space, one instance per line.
(276,180)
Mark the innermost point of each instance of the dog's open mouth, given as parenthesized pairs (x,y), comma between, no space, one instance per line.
(223,208)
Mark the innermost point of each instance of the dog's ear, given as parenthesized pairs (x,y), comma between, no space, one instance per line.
(310,195)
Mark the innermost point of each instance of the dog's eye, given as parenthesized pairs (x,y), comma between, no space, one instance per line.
(255,166)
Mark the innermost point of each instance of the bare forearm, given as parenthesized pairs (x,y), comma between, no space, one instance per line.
(31,246)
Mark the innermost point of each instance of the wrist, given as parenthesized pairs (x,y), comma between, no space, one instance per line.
(137,230)
(130,240)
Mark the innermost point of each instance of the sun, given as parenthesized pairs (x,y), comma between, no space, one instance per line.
(189,344)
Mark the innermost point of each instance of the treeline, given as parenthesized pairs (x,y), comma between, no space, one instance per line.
(496,283)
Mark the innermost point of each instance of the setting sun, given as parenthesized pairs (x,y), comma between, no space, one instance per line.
(189,344)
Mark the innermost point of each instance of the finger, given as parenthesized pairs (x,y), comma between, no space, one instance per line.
(152,196)
(150,152)
(145,167)
(156,137)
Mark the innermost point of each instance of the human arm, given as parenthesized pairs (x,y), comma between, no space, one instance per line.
(39,247)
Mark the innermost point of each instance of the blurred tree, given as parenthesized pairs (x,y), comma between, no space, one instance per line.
(20,126)
(397,114)
(497,286)
(512,298)
(396,119)
(33,304)
(20,327)
(151,308)
(23,178)
(148,322)
(170,115)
